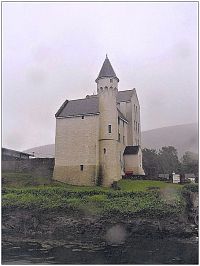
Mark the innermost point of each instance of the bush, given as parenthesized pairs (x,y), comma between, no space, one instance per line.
(137,199)
(191,187)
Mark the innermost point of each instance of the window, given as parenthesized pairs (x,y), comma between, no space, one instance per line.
(111,80)
(138,127)
(109,128)
(118,136)
(82,117)
(134,124)
(81,167)
(118,120)
(104,151)
(123,123)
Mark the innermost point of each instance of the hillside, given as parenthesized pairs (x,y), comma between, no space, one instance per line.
(45,151)
(182,137)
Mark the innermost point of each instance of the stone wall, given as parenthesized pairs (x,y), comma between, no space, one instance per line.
(77,150)
(42,167)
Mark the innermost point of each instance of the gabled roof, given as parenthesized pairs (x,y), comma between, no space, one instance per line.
(124,96)
(107,70)
(79,107)
(131,150)
(89,105)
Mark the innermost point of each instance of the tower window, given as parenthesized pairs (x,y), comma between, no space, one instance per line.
(111,80)
(82,117)
(109,128)
(118,136)
(104,151)
(81,167)
(118,120)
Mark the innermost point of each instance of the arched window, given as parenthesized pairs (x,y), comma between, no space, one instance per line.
(104,150)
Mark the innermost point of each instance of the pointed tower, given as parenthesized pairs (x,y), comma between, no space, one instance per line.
(109,155)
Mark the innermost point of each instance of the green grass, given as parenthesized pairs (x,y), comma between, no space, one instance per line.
(23,180)
(145,185)
(143,198)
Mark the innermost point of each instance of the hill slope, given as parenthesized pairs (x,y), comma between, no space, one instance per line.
(45,151)
(182,137)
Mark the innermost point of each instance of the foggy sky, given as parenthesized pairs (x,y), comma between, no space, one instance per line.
(54,51)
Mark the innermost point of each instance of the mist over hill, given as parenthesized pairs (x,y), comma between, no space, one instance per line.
(45,151)
(182,137)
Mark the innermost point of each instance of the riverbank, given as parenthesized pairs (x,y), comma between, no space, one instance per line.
(58,210)
(57,214)
(65,238)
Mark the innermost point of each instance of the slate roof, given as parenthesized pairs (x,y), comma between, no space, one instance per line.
(124,96)
(121,115)
(79,107)
(131,150)
(107,70)
(89,105)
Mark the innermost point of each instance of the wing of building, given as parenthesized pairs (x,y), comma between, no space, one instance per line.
(98,138)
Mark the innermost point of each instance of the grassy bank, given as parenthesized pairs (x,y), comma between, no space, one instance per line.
(143,198)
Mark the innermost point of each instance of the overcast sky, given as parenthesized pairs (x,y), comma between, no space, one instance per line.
(54,51)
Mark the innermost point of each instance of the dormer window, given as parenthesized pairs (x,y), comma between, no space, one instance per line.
(111,80)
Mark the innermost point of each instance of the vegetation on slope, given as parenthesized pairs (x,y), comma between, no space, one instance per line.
(142,198)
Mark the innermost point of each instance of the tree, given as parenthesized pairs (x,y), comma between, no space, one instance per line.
(150,162)
(168,160)
(190,163)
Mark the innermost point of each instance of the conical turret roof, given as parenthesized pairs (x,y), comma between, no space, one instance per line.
(107,70)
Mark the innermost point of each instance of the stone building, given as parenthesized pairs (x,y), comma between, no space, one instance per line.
(98,138)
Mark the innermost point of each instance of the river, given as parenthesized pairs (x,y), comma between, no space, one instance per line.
(136,251)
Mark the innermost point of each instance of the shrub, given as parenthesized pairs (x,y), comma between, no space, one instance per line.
(191,187)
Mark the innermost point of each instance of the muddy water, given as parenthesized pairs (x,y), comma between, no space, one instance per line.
(136,251)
